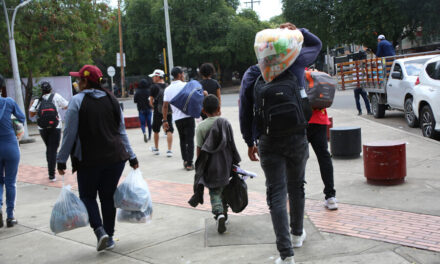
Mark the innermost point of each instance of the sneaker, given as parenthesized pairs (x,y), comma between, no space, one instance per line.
(297,241)
(102,237)
(288,260)
(52,178)
(360,113)
(10,222)
(369,113)
(1,219)
(145,138)
(189,167)
(331,203)
(221,224)
(110,243)
(169,153)
(154,150)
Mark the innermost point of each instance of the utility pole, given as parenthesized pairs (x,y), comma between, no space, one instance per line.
(251,2)
(14,62)
(121,51)
(168,31)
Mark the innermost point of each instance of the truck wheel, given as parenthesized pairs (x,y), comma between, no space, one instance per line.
(377,109)
(427,122)
(410,117)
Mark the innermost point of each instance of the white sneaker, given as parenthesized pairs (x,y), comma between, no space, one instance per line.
(297,241)
(169,153)
(154,150)
(331,203)
(288,260)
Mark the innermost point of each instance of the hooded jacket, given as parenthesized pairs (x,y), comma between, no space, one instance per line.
(74,128)
(214,164)
(141,97)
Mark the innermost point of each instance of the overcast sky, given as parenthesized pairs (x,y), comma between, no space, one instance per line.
(265,9)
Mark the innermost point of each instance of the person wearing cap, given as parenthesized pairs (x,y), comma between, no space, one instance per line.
(51,135)
(98,146)
(156,101)
(141,98)
(185,124)
(384,47)
(9,155)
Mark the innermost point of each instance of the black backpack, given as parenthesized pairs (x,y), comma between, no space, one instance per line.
(278,108)
(47,113)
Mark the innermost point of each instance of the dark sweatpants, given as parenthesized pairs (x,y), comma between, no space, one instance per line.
(186,128)
(51,138)
(101,180)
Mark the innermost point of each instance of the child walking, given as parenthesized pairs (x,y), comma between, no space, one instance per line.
(215,142)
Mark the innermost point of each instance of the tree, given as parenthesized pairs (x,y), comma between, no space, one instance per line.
(55,37)
(361,21)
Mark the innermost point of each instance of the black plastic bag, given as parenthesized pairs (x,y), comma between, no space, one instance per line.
(235,193)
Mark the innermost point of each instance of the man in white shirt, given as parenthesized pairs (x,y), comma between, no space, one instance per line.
(185,124)
(51,130)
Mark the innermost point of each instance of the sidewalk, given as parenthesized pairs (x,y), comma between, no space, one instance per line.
(374,224)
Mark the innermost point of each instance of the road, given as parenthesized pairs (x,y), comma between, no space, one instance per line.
(344,100)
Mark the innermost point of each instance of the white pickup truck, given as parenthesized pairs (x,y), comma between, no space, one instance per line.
(397,93)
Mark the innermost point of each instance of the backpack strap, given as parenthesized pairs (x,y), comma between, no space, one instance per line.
(51,97)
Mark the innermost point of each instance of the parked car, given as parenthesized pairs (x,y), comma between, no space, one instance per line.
(427,98)
(399,88)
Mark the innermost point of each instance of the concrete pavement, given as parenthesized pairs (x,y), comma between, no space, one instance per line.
(375,224)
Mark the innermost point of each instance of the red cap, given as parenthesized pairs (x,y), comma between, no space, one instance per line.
(90,72)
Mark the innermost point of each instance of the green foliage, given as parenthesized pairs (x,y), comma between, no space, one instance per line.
(361,21)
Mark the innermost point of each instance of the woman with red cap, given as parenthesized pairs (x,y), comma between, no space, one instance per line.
(96,140)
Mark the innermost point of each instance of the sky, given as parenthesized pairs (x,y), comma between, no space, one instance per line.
(265,9)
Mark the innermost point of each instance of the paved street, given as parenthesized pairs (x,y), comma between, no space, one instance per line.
(374,224)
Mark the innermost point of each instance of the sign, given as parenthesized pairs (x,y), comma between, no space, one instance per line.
(111,71)
(118,60)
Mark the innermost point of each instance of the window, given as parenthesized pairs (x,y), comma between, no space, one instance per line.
(414,67)
(433,70)
(398,68)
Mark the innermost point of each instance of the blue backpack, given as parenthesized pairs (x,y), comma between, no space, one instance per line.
(190,99)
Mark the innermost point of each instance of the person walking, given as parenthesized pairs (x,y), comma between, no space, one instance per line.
(209,85)
(96,140)
(283,159)
(185,124)
(317,136)
(156,101)
(384,47)
(141,98)
(216,153)
(47,109)
(9,156)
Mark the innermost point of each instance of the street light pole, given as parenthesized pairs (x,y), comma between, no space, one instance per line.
(168,31)
(14,62)
(121,51)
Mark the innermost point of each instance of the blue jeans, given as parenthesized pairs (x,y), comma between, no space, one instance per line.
(145,117)
(9,159)
(101,180)
(283,161)
(360,91)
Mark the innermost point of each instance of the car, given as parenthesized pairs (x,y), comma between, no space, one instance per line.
(398,92)
(426,101)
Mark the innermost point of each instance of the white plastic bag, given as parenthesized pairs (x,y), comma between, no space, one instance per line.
(136,217)
(133,194)
(276,50)
(68,213)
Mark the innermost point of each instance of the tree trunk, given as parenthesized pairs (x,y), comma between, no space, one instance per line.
(28,94)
